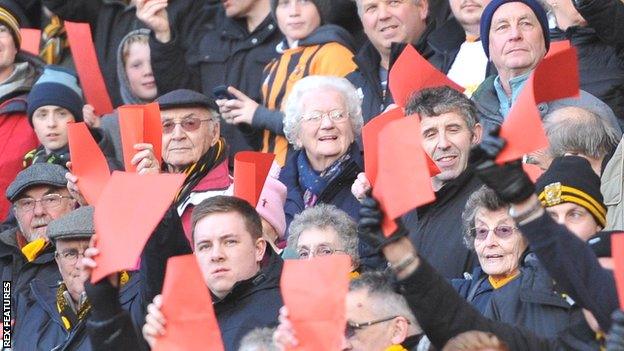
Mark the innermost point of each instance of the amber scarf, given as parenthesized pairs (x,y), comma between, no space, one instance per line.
(198,170)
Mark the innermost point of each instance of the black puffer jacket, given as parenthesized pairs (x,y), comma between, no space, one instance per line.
(208,49)
(601,66)
(366,78)
(535,302)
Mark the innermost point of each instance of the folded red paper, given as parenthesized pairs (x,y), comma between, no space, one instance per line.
(411,73)
(370,139)
(403,178)
(314,292)
(250,171)
(187,307)
(127,212)
(85,60)
(88,162)
(555,77)
(131,119)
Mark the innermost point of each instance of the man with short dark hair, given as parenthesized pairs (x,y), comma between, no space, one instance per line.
(449,128)
(241,273)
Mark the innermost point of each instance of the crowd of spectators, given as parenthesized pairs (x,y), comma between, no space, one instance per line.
(498,261)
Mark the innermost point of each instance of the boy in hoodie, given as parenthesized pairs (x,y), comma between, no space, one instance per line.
(310,47)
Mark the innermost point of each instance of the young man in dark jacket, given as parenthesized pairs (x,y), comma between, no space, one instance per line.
(241,273)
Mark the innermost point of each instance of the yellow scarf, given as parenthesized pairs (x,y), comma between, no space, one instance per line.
(396,348)
(353,275)
(34,248)
(498,283)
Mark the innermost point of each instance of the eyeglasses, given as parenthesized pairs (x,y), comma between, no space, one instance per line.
(318,252)
(188,124)
(502,231)
(317,116)
(70,256)
(47,202)
(353,327)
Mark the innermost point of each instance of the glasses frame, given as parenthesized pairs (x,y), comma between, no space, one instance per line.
(314,254)
(68,260)
(181,123)
(342,116)
(495,229)
(353,327)
(46,207)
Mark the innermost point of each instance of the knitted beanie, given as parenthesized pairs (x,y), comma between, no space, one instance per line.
(11,22)
(571,179)
(57,86)
(322,6)
(488,13)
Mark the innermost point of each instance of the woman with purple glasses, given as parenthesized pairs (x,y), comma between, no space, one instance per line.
(490,231)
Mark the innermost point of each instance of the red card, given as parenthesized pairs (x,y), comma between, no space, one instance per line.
(557,46)
(370,139)
(250,172)
(152,128)
(31,39)
(411,73)
(403,179)
(555,77)
(127,212)
(617,251)
(85,60)
(88,162)
(314,292)
(187,306)
(131,129)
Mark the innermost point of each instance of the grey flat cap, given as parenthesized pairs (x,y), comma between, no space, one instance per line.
(37,174)
(78,224)
(186,98)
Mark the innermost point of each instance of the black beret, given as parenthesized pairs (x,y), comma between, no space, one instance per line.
(186,98)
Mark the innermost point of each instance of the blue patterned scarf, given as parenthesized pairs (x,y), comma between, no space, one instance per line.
(315,182)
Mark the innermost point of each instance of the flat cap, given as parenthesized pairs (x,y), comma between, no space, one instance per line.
(78,224)
(37,174)
(186,98)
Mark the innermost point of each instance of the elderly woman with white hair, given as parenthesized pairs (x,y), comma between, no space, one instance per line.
(322,119)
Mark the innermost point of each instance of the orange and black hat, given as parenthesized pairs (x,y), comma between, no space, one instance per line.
(571,179)
(10,21)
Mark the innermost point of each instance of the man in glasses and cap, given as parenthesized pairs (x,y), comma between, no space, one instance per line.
(191,144)
(38,195)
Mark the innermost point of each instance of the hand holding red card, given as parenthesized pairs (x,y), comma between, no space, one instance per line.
(314,292)
(187,306)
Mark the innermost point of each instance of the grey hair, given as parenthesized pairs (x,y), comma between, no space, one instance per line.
(483,198)
(259,339)
(324,216)
(388,302)
(294,109)
(433,102)
(579,131)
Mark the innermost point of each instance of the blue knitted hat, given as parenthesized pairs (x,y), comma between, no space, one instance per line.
(57,86)
(488,13)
